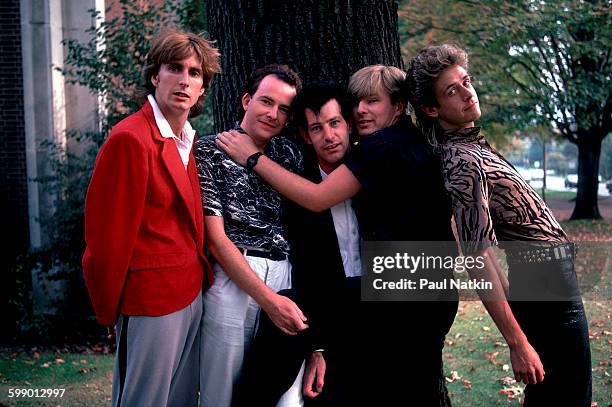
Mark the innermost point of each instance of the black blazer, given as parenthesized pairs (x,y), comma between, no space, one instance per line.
(318,273)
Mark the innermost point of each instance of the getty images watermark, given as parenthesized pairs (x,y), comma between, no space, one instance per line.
(521,271)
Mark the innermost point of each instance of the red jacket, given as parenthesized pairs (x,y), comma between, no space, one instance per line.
(143,225)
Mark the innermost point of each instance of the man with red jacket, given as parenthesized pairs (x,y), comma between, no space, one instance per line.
(144,266)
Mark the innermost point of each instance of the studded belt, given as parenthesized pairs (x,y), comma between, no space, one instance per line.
(542,254)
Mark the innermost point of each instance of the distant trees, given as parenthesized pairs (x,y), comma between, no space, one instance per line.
(537,63)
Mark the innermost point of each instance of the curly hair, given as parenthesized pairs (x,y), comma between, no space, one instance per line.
(424,69)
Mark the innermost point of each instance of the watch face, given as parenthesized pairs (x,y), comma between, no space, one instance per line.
(252,160)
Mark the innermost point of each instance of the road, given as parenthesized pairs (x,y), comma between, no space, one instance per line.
(556,183)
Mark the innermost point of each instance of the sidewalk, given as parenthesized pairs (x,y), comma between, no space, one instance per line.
(562,208)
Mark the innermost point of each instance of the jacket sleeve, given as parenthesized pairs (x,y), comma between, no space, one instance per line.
(114,209)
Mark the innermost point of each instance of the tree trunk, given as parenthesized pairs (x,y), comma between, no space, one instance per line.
(321,40)
(589,149)
(544,168)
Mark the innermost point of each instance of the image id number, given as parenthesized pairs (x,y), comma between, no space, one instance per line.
(35,393)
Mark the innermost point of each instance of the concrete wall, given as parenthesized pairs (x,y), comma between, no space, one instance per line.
(50,108)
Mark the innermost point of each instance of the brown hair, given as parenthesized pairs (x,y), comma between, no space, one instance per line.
(175,45)
(424,69)
(282,72)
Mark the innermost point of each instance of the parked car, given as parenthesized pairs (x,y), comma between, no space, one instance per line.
(571,181)
(609,186)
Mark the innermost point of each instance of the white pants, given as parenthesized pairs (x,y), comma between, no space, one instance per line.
(228,327)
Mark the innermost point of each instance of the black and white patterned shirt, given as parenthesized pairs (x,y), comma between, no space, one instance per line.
(251,209)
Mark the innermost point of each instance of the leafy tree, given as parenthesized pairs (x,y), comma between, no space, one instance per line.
(537,63)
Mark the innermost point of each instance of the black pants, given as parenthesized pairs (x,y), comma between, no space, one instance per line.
(557,330)
(379,353)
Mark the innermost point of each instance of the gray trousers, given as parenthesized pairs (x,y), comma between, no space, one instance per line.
(158,359)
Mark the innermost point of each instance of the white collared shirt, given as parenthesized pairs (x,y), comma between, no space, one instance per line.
(347,232)
(183,143)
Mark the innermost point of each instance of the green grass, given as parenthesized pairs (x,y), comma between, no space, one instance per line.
(568,195)
(474,343)
(474,333)
(86,378)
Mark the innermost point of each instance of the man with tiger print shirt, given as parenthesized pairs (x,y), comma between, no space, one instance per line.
(544,322)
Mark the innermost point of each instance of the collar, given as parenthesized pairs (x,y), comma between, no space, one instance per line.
(470,134)
(323,173)
(187,133)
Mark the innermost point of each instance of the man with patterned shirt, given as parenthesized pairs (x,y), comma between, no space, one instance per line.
(246,237)
(540,311)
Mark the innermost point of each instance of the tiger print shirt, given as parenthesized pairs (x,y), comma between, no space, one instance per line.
(251,209)
(491,201)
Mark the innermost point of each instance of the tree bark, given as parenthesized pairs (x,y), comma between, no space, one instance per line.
(589,151)
(321,40)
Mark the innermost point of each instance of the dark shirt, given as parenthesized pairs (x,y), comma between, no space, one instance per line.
(251,209)
(403,196)
(491,201)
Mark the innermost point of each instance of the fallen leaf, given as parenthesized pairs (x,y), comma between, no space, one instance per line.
(491,356)
(453,377)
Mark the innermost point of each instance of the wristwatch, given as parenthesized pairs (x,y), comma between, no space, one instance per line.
(252,160)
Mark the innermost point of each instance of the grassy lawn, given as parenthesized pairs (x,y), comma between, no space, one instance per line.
(86,377)
(477,361)
(476,358)
(568,195)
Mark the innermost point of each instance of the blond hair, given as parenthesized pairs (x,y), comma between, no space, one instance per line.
(370,79)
